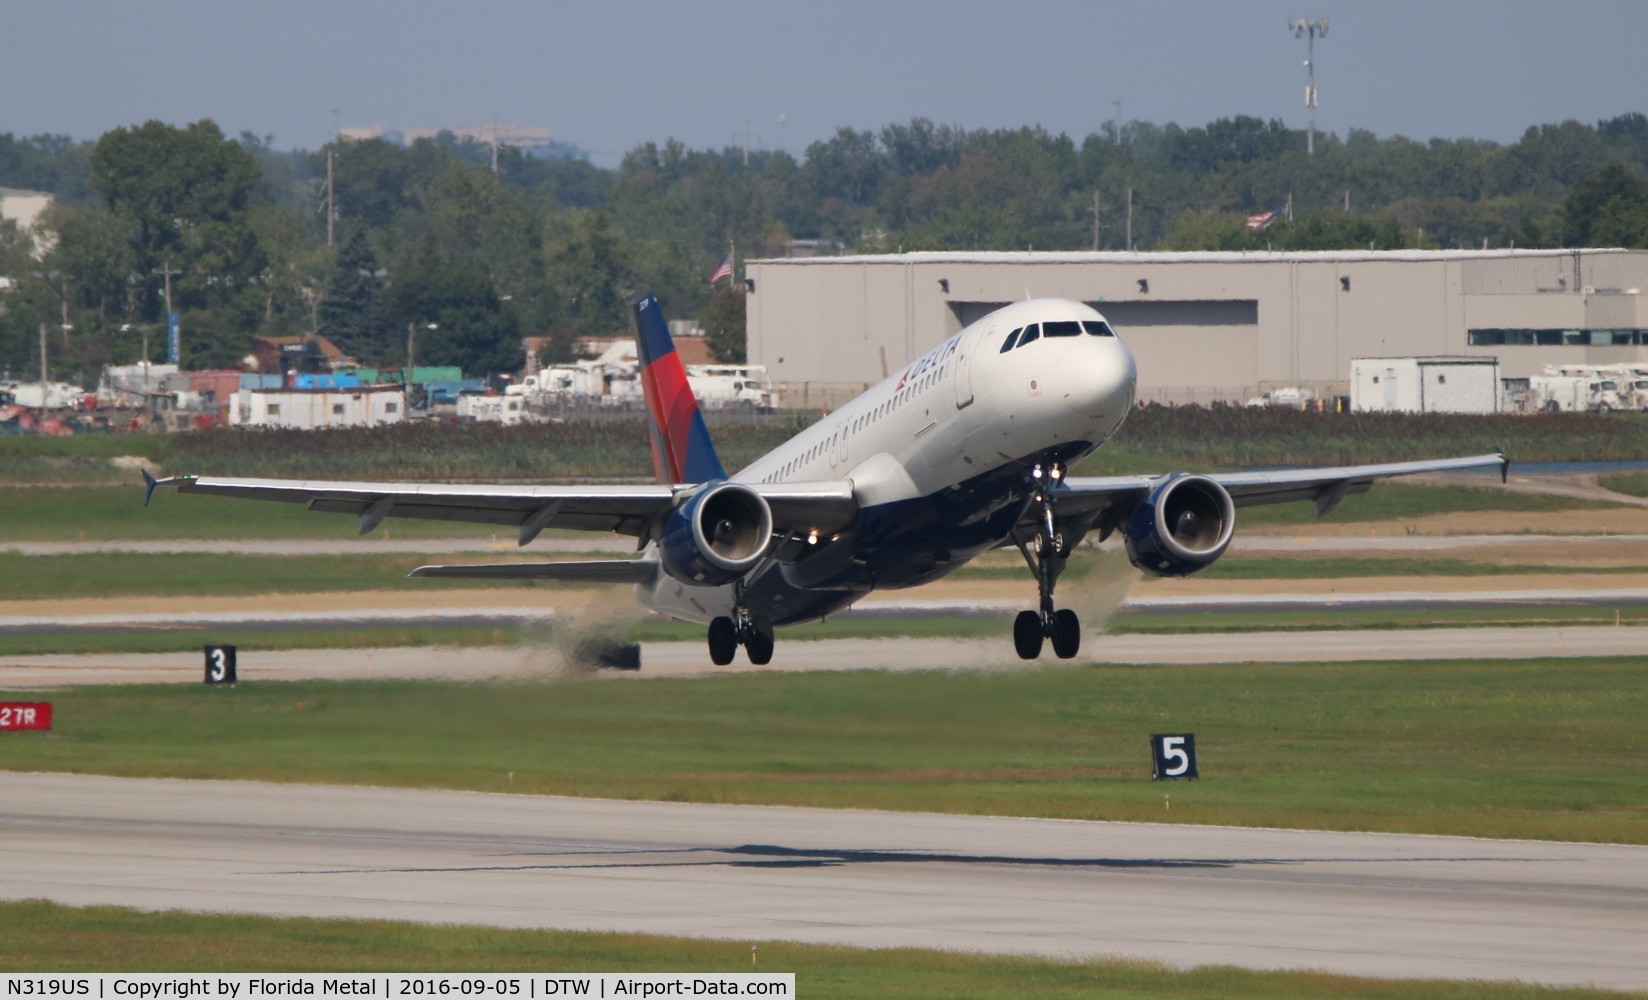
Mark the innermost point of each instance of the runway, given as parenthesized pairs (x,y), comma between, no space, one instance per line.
(678,659)
(1364,904)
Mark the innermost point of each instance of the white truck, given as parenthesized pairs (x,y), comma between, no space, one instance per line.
(1631,381)
(720,386)
(1573,394)
(1289,397)
(552,382)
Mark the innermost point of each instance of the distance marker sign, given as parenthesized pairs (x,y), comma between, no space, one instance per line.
(220,664)
(1172,755)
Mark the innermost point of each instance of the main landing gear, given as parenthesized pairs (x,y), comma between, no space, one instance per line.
(753,632)
(1046,551)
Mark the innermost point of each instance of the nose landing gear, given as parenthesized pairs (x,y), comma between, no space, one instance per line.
(1045,551)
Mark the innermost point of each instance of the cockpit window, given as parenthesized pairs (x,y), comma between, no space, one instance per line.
(1066,328)
(1031,332)
(1012,338)
(1097,328)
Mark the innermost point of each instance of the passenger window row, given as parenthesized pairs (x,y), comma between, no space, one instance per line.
(1063,328)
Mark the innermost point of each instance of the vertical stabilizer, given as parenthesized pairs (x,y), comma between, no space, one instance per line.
(681,447)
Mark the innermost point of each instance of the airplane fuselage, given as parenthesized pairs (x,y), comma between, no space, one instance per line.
(939,457)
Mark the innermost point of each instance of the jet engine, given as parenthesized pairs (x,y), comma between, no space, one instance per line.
(1181,526)
(717,536)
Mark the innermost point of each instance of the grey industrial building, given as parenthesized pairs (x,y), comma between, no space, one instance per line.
(1206,327)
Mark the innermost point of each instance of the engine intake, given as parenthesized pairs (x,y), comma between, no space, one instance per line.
(1181,526)
(717,536)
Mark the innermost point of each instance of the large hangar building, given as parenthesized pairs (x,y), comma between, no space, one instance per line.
(1206,327)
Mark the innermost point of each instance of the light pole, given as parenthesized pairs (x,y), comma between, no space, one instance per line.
(411,354)
(1303,28)
(127,328)
(45,365)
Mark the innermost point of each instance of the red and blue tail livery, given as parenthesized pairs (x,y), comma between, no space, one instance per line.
(681,448)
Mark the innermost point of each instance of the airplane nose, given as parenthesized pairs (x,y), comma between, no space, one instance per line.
(1099,376)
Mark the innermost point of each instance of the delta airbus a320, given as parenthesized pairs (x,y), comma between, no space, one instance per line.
(967,449)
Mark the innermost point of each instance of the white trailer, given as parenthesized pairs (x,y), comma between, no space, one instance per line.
(508,410)
(316,409)
(59,395)
(1425,385)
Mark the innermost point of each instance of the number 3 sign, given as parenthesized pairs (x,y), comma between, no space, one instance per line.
(1172,755)
(220,664)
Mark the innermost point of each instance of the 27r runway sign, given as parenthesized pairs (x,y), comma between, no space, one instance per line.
(25,715)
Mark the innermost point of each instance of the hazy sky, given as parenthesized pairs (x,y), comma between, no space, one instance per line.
(610,74)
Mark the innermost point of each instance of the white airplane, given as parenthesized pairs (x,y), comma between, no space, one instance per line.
(965,450)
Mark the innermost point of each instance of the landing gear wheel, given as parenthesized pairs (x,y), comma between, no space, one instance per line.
(1061,546)
(758,645)
(1027,635)
(723,641)
(1066,633)
(1045,550)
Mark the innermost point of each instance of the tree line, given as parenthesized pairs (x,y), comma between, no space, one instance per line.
(491,247)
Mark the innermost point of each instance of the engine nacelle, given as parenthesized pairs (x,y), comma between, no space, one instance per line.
(717,536)
(1181,526)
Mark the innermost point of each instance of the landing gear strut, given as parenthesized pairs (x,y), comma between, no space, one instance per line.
(1046,551)
(753,632)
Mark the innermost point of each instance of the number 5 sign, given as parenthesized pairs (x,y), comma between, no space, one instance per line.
(1172,755)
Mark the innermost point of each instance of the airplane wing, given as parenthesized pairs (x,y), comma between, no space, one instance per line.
(1091,496)
(636,510)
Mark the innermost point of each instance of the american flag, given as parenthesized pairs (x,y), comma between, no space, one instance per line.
(1264,219)
(722,270)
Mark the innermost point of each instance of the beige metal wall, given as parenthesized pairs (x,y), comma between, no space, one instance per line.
(850,321)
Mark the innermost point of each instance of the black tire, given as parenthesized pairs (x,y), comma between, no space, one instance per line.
(1066,633)
(723,641)
(759,648)
(1027,635)
(1061,545)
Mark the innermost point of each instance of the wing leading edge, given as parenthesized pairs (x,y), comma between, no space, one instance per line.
(634,510)
(1326,486)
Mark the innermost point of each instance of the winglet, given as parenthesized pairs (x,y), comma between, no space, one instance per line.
(148,486)
(681,448)
(1504,465)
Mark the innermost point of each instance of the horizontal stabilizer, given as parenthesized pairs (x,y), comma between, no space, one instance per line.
(600,571)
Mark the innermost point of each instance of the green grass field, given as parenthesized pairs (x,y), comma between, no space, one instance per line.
(1542,749)
(1630,483)
(37,936)
(1237,566)
(85,640)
